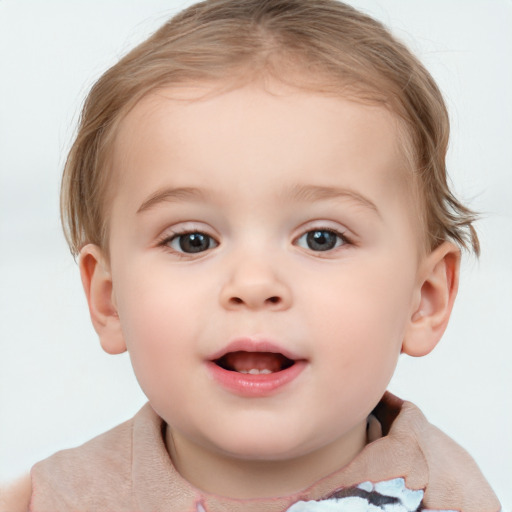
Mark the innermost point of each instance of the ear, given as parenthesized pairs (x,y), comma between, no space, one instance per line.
(437,289)
(97,283)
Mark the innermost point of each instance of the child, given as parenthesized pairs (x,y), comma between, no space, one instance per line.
(258,198)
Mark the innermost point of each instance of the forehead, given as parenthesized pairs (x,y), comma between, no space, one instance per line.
(258,125)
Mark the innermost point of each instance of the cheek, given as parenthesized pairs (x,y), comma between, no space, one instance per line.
(158,323)
(362,314)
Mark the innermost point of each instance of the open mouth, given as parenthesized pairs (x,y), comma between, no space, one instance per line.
(254,363)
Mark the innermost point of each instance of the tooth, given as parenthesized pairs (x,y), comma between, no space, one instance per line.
(255,371)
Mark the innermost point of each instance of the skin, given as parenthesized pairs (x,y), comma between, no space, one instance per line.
(267,166)
(15,497)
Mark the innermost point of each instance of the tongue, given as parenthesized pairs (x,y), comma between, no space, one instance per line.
(244,362)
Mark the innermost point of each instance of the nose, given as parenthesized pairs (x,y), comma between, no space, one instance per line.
(253,284)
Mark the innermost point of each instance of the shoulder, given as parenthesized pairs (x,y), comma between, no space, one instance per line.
(94,476)
(452,472)
(431,460)
(15,496)
(67,470)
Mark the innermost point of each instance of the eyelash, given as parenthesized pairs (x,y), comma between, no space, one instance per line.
(341,239)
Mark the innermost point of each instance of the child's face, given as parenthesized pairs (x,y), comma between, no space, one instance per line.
(271,223)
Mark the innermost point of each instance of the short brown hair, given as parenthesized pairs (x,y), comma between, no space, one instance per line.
(335,46)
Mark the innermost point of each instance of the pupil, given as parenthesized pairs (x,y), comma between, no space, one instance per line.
(194,242)
(321,240)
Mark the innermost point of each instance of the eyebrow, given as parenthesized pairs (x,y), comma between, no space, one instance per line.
(319,193)
(298,193)
(169,194)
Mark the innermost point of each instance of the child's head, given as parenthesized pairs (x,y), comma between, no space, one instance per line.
(259,196)
(321,45)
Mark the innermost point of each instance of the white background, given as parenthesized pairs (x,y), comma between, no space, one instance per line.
(58,389)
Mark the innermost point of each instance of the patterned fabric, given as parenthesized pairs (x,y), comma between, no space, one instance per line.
(387,496)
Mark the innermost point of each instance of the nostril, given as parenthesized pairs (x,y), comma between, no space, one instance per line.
(255,302)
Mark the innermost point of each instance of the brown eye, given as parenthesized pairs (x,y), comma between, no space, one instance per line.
(192,243)
(321,240)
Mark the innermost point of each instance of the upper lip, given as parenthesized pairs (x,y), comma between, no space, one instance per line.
(249,344)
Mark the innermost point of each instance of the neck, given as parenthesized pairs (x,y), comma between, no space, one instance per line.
(221,474)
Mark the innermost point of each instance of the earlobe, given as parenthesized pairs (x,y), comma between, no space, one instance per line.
(437,288)
(97,283)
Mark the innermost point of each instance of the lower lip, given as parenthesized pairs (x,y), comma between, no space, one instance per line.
(247,385)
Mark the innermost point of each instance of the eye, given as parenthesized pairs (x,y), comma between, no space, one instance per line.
(321,240)
(191,243)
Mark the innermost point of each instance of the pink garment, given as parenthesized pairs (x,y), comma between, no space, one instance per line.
(128,469)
